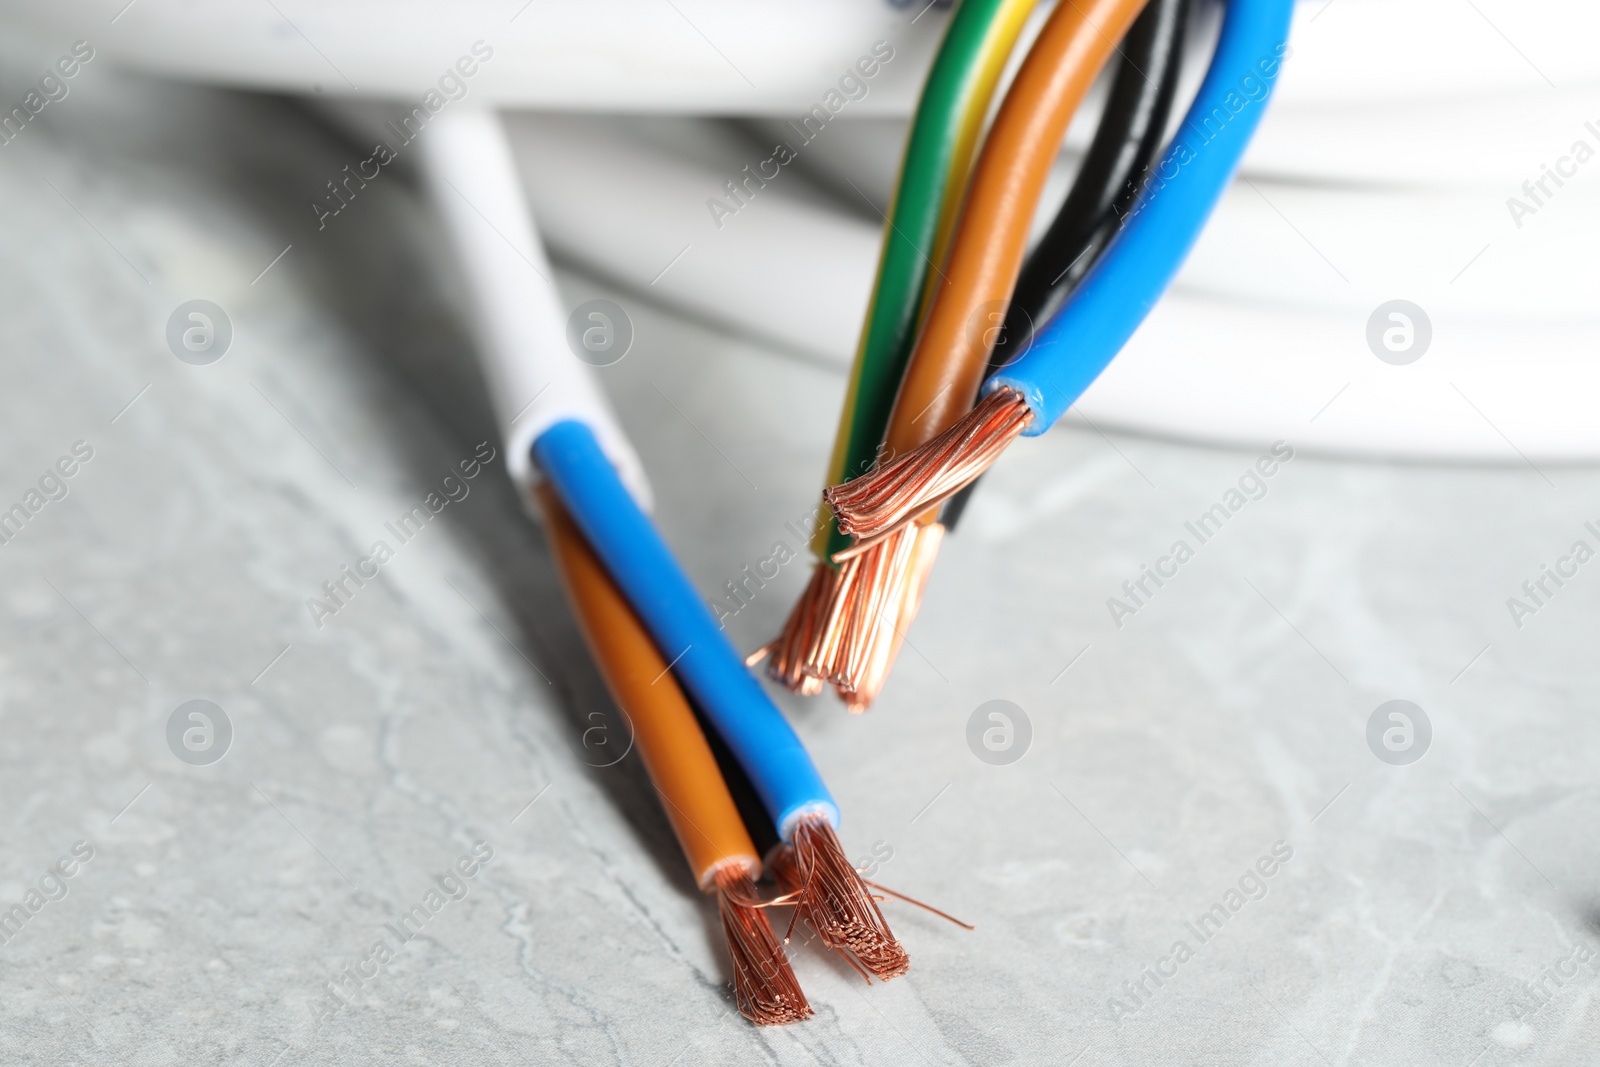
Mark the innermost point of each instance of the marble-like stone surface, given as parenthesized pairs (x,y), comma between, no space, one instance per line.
(444,705)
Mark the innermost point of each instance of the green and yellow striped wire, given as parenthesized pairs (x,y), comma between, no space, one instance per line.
(939,156)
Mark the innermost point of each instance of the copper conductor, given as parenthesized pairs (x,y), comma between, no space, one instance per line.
(832,897)
(802,656)
(825,641)
(891,585)
(847,627)
(882,500)
(794,663)
(925,907)
(876,607)
(763,982)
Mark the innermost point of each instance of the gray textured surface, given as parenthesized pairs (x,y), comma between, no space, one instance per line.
(1228,715)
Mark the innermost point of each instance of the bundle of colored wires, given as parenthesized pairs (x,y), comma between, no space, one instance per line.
(831,894)
(1127,143)
(1028,395)
(685,773)
(939,150)
(659,630)
(849,622)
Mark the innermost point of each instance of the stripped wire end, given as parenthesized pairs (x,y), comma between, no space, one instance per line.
(847,627)
(793,662)
(883,500)
(763,982)
(830,893)
(806,685)
(887,594)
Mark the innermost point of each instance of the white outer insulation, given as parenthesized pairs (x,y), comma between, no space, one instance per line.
(518,317)
(774,58)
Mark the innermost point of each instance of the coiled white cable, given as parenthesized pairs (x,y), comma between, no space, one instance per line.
(1402,137)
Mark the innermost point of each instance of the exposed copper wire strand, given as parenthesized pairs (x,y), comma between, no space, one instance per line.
(834,899)
(875,608)
(920,904)
(848,626)
(905,599)
(790,665)
(881,501)
(764,984)
(802,655)
(822,645)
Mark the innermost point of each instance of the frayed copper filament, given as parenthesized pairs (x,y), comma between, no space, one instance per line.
(763,982)
(946,916)
(830,894)
(880,501)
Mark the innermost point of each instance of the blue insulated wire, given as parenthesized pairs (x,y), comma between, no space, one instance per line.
(682,626)
(1119,291)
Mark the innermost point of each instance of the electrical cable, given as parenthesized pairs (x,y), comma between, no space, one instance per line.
(947,363)
(550,408)
(681,625)
(666,733)
(1356,172)
(757,822)
(642,565)
(1127,143)
(1004,31)
(1122,288)
(1028,396)
(938,157)
(849,623)
(684,771)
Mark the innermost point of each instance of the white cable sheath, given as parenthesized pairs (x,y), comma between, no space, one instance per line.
(520,323)
(774,58)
